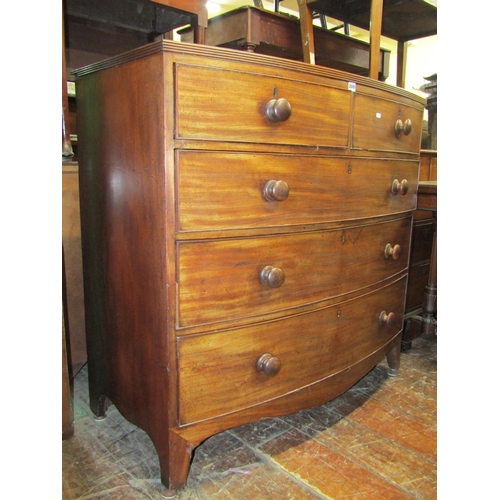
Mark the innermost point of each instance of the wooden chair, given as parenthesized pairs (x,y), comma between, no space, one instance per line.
(401,20)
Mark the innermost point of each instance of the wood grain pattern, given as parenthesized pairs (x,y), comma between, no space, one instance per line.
(217,371)
(174,239)
(238,98)
(316,265)
(224,191)
(374,121)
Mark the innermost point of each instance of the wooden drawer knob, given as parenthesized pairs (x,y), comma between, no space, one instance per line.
(387,319)
(276,190)
(272,277)
(398,127)
(392,251)
(399,187)
(278,110)
(269,365)
(407,127)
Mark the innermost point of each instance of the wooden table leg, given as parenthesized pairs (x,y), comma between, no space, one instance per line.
(429,322)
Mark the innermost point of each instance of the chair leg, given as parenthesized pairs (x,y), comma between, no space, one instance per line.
(306,32)
(375,33)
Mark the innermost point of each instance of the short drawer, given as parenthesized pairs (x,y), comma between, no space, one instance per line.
(224,372)
(235,190)
(222,280)
(236,106)
(384,125)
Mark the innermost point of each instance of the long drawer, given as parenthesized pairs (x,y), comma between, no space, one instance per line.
(232,107)
(224,372)
(279,272)
(218,190)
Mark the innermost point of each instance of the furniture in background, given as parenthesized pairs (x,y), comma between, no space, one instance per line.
(245,238)
(94,30)
(67,404)
(264,32)
(427,200)
(401,20)
(71,237)
(422,281)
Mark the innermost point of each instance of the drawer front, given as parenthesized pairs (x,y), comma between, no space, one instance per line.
(230,190)
(279,272)
(232,107)
(375,125)
(218,373)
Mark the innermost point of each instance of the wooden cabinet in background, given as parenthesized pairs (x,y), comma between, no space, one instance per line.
(428,165)
(246,226)
(71,235)
(67,402)
(424,228)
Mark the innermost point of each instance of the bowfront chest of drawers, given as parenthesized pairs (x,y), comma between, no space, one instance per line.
(246,225)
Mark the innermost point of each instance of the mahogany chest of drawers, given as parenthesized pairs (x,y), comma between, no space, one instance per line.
(246,225)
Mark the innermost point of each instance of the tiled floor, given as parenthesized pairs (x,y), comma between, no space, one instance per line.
(376,441)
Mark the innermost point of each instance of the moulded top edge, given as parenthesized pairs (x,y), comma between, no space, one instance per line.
(242,57)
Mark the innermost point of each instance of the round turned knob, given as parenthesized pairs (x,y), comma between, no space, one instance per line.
(272,277)
(269,365)
(276,190)
(399,187)
(278,110)
(407,127)
(398,127)
(387,319)
(393,251)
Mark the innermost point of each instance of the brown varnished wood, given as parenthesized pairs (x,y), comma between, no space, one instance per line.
(310,347)
(221,58)
(124,240)
(312,395)
(274,34)
(316,266)
(421,307)
(307,32)
(402,58)
(376,8)
(72,244)
(402,20)
(321,189)
(427,195)
(428,165)
(241,98)
(67,401)
(67,149)
(374,122)
(170,235)
(420,256)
